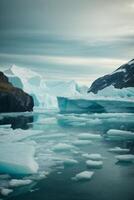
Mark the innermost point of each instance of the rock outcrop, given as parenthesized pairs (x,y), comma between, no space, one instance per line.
(13,99)
(123,77)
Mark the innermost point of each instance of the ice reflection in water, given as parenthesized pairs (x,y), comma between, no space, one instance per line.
(61,141)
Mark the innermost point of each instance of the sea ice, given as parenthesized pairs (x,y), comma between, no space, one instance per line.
(19,182)
(66,161)
(125,158)
(5,191)
(94,164)
(83,176)
(17,158)
(70,162)
(119,150)
(94,156)
(120,133)
(86,136)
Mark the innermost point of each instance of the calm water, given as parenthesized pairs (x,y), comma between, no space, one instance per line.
(49,129)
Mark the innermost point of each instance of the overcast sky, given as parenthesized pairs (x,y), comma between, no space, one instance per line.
(76,39)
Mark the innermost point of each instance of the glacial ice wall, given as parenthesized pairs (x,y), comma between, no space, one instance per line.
(44,92)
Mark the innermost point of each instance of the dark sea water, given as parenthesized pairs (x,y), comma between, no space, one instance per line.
(114,181)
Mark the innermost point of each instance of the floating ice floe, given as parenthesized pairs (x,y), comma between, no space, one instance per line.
(86,136)
(119,150)
(68,161)
(5,191)
(17,158)
(94,164)
(83,176)
(120,133)
(19,182)
(17,135)
(94,156)
(125,158)
(39,176)
(82,142)
(63,147)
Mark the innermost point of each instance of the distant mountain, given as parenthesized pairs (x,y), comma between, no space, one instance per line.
(123,77)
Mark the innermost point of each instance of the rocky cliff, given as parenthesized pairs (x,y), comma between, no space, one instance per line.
(13,99)
(123,77)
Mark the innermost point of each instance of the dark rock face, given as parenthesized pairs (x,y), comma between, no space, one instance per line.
(13,99)
(123,77)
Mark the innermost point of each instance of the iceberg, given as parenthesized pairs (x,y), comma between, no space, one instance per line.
(83,176)
(17,158)
(62,88)
(94,164)
(43,92)
(95,105)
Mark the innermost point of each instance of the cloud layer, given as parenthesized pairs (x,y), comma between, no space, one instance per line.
(71,37)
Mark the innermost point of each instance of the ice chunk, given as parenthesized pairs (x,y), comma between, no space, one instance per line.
(125,158)
(86,136)
(70,162)
(63,147)
(94,156)
(94,164)
(119,150)
(19,182)
(83,176)
(5,191)
(17,158)
(120,133)
(36,177)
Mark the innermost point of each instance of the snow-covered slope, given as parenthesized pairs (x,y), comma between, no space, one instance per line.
(123,77)
(112,92)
